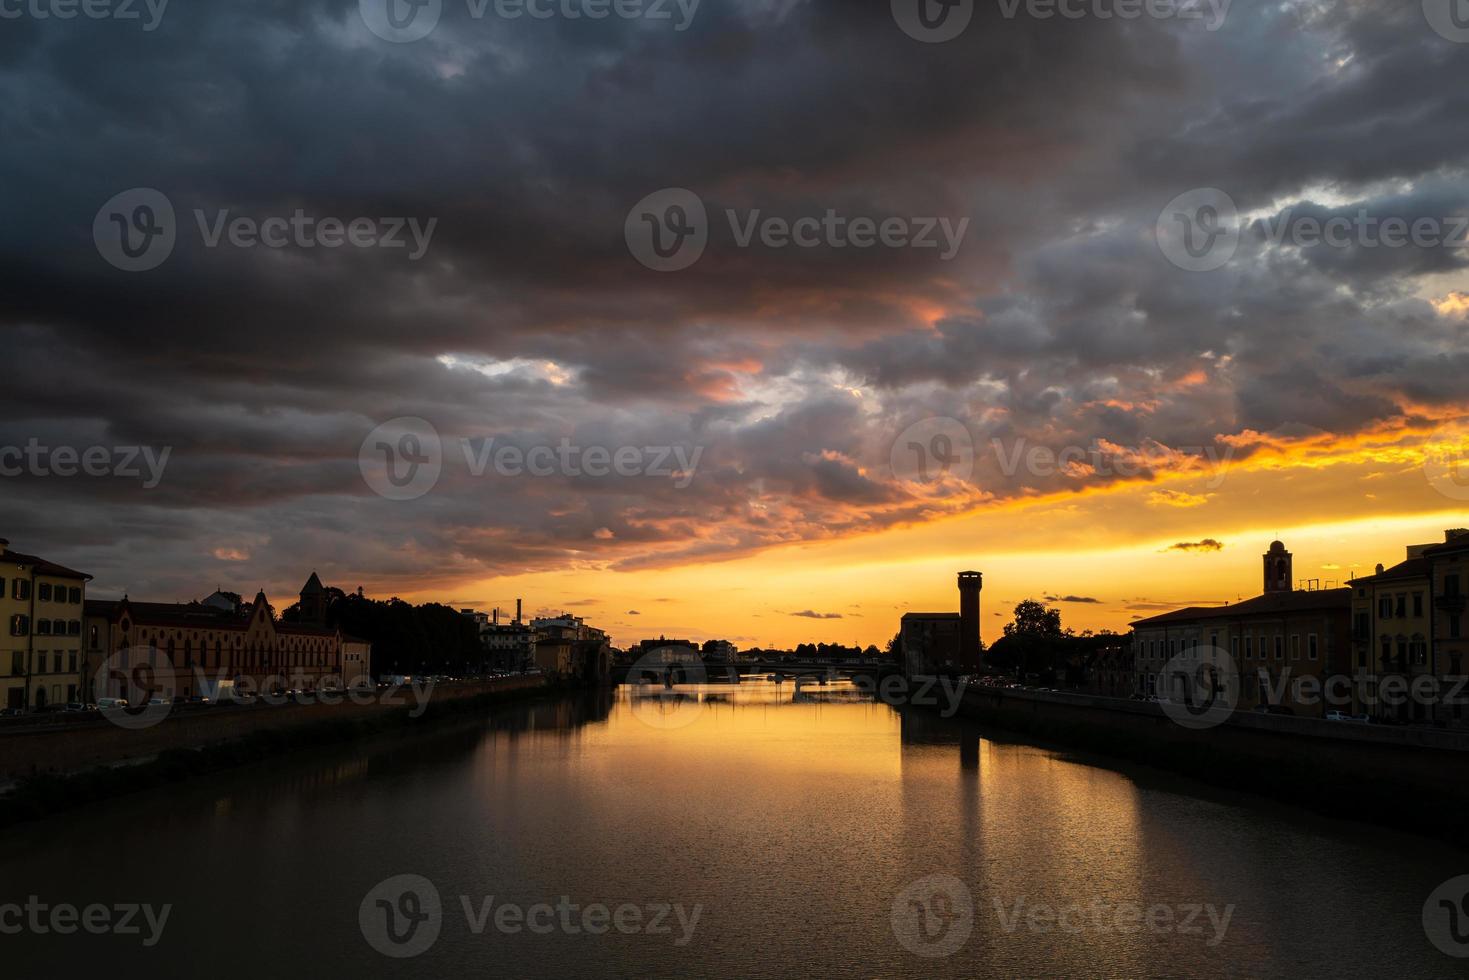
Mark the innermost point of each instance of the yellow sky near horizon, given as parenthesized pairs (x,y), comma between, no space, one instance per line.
(1338,511)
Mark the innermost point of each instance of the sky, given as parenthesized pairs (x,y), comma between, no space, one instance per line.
(1055,312)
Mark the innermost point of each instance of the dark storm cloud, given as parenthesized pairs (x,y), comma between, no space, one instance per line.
(791,371)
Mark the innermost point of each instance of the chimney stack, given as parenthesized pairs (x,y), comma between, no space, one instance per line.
(517,612)
(495,616)
(4,546)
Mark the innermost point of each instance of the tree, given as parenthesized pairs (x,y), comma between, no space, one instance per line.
(1034,619)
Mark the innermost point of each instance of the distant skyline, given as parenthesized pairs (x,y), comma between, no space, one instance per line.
(521,154)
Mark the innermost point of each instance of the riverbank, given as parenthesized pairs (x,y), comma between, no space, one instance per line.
(54,771)
(1408,779)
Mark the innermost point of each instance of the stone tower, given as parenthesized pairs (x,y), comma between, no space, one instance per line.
(1278,576)
(313,602)
(969,585)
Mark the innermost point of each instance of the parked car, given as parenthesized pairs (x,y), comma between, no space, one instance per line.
(199,699)
(104,704)
(76,707)
(1338,716)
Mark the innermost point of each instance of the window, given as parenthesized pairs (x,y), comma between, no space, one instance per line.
(58,627)
(1279,647)
(1454,627)
(1401,609)
(1417,603)
(71,661)
(75,597)
(20,625)
(56,662)
(74,627)
(1295,646)
(43,627)
(93,638)
(1234,647)
(20,589)
(1451,584)
(1313,649)
(43,592)
(1384,608)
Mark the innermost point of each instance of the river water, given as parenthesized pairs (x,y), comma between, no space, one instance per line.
(748,831)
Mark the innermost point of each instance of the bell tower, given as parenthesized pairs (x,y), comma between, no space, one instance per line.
(1278,575)
(313,602)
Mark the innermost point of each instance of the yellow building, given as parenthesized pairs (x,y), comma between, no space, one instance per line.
(41,606)
(1450,636)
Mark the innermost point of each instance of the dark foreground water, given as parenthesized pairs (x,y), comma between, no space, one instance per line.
(738,832)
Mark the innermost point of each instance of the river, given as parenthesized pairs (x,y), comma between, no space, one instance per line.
(747,831)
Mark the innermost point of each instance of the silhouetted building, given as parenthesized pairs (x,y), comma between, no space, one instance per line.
(944,643)
(1274,641)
